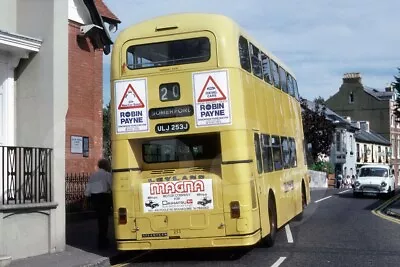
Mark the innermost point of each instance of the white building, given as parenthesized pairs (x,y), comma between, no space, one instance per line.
(371,147)
(33,107)
(343,151)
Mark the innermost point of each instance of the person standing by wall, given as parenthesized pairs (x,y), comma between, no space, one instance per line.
(98,189)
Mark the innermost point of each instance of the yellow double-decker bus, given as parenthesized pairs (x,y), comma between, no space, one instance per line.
(207,137)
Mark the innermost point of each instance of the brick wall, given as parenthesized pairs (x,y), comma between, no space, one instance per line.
(85,101)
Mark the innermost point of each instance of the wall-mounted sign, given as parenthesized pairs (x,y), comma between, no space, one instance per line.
(172,127)
(171,112)
(86,146)
(80,145)
(76,144)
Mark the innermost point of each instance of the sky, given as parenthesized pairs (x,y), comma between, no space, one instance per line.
(318,40)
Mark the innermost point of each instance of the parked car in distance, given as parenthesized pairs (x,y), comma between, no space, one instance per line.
(374,179)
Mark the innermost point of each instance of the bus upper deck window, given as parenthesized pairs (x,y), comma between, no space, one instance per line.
(175,52)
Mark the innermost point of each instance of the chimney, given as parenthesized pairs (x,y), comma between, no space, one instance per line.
(389,87)
(364,125)
(356,124)
(352,77)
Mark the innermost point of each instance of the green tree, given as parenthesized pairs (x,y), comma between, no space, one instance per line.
(107,131)
(320,101)
(396,87)
(318,130)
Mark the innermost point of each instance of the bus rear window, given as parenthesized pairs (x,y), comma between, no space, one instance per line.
(176,52)
(182,148)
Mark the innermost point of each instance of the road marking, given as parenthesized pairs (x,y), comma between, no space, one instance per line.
(278,262)
(322,199)
(288,234)
(386,217)
(384,205)
(388,202)
(344,191)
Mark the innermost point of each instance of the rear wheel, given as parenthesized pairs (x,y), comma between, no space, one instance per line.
(270,239)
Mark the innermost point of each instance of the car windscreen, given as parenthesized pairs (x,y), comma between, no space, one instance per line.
(373,171)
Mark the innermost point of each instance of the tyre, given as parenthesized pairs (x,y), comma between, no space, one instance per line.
(270,239)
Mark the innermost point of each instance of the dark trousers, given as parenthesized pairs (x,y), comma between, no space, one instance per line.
(102,204)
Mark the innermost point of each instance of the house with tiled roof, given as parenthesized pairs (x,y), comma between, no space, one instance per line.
(371,146)
(342,152)
(354,144)
(364,103)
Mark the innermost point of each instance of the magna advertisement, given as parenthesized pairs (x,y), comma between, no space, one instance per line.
(186,195)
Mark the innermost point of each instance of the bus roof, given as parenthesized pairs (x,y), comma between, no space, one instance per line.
(216,23)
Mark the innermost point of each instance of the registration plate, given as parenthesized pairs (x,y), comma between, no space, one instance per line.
(172,127)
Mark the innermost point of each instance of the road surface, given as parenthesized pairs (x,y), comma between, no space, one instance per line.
(337,230)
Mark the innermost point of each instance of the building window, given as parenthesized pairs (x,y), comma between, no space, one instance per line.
(379,154)
(398,147)
(365,153)
(338,141)
(372,153)
(351,98)
(392,148)
(351,145)
(358,152)
(392,120)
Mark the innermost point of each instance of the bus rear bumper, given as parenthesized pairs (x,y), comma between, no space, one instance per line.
(210,242)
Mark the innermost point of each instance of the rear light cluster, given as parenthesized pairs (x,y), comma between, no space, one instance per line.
(235,209)
(122,217)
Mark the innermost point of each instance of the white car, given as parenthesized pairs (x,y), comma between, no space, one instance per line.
(374,179)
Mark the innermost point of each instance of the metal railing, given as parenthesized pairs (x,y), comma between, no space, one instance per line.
(25,175)
(75,184)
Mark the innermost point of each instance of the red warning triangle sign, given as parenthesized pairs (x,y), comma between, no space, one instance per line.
(211,91)
(130,99)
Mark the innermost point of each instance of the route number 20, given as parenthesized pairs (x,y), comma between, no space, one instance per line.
(169,92)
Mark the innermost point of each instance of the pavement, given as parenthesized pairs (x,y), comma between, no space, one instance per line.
(81,250)
(393,208)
